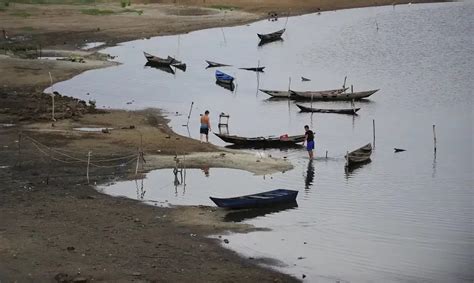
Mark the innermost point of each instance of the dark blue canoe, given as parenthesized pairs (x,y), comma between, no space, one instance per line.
(224,78)
(264,199)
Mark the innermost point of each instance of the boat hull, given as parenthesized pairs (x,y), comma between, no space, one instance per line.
(262,142)
(330,95)
(265,199)
(359,156)
(348,111)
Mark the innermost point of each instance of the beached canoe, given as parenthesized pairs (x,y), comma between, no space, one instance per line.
(271,36)
(223,77)
(262,142)
(169,61)
(336,94)
(358,156)
(350,111)
(263,199)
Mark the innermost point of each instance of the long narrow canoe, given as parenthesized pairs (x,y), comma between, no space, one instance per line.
(262,142)
(360,155)
(212,64)
(271,36)
(277,93)
(224,78)
(255,69)
(158,60)
(350,111)
(263,199)
(337,94)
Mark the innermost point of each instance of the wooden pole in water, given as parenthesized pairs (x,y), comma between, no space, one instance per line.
(289,85)
(373,130)
(326,154)
(434,137)
(344,85)
(88,162)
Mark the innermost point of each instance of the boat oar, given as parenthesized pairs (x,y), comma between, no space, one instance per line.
(189,115)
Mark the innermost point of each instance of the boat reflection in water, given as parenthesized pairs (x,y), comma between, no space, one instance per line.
(309,178)
(228,86)
(263,42)
(164,68)
(244,214)
(351,170)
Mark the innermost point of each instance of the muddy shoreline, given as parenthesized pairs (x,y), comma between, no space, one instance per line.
(56,227)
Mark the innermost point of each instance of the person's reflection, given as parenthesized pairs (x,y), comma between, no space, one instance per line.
(205,169)
(308,182)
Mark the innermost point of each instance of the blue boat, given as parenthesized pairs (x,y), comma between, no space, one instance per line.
(224,78)
(264,199)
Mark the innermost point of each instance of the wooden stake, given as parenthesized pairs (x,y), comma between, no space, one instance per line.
(434,137)
(326,154)
(344,85)
(88,162)
(289,86)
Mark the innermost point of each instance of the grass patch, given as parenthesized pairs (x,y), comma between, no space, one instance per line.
(22,14)
(224,7)
(97,12)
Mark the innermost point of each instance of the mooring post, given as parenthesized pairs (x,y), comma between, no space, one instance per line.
(434,137)
(326,154)
(373,130)
(88,162)
(344,85)
(289,86)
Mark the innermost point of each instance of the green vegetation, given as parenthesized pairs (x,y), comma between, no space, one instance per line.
(22,14)
(98,12)
(223,7)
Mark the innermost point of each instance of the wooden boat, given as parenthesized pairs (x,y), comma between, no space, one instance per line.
(212,64)
(263,199)
(350,111)
(223,77)
(336,94)
(271,36)
(254,69)
(303,79)
(262,142)
(169,61)
(358,156)
(399,149)
(277,93)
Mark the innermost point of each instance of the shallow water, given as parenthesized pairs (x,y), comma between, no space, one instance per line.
(403,217)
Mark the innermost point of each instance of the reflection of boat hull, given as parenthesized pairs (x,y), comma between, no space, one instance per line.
(227,86)
(254,69)
(262,142)
(359,156)
(263,42)
(264,199)
(349,111)
(336,94)
(164,68)
(241,215)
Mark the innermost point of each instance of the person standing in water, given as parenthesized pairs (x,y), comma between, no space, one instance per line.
(205,126)
(309,140)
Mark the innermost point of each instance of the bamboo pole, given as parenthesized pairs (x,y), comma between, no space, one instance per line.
(344,85)
(326,154)
(88,162)
(434,137)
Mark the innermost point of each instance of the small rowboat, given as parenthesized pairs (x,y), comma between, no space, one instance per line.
(254,69)
(358,156)
(336,94)
(277,93)
(303,79)
(262,142)
(263,199)
(350,111)
(224,78)
(215,64)
(169,61)
(271,36)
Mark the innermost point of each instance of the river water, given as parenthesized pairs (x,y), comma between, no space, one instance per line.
(404,216)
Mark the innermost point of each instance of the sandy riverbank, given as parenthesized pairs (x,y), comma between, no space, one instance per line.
(53,225)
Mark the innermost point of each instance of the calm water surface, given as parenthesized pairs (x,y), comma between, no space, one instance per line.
(403,217)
